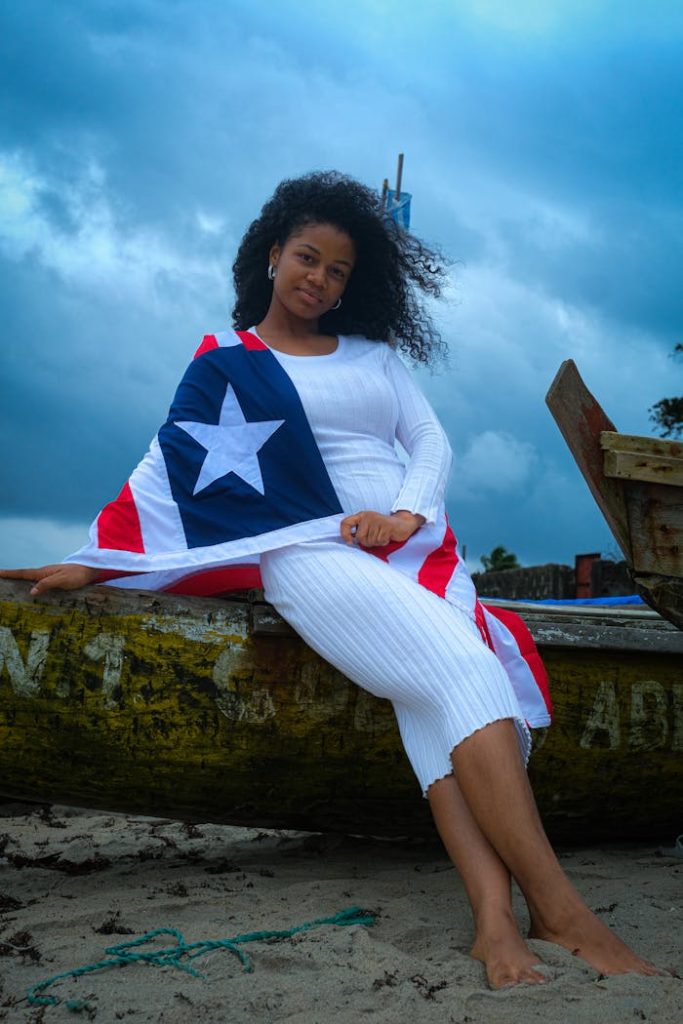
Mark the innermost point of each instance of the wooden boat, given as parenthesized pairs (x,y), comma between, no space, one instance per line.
(215,710)
(637,483)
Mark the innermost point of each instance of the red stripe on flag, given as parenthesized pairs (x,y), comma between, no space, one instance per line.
(209,341)
(250,341)
(527,648)
(438,567)
(212,582)
(118,524)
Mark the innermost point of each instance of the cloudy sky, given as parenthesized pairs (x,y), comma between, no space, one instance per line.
(138,138)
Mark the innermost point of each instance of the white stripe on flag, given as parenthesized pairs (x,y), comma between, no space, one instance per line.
(520,675)
(160,524)
(461,590)
(226,339)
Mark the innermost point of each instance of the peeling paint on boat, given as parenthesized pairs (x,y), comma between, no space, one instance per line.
(197,631)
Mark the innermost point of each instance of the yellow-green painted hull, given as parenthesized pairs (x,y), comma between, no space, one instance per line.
(214,710)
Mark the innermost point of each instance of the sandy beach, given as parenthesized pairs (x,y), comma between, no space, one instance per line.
(74,882)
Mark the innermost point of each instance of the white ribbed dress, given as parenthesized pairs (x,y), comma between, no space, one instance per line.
(382,630)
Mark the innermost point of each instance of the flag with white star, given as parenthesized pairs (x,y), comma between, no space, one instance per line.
(234,471)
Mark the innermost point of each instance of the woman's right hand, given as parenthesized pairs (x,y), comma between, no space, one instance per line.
(67,576)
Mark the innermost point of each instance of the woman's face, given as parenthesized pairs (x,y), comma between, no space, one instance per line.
(312,269)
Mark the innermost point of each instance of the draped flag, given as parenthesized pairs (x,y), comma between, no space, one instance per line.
(235,471)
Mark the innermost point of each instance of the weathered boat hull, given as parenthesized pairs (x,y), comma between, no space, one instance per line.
(215,710)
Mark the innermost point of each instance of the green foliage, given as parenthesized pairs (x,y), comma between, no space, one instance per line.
(499,560)
(667,413)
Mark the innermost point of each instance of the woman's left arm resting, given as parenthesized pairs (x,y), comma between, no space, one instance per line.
(374,529)
(424,439)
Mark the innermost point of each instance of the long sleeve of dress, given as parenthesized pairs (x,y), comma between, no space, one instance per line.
(425,441)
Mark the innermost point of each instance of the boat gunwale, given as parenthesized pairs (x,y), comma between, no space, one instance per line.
(628,629)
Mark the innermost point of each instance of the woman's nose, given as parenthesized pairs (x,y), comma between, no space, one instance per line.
(317,275)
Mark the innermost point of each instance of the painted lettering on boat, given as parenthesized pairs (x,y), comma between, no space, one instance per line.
(24,674)
(108,648)
(603,718)
(655,721)
(649,716)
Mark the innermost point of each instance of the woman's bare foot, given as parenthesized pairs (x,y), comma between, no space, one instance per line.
(584,934)
(504,953)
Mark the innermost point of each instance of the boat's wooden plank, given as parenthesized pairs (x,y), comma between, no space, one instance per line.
(656,469)
(604,637)
(655,514)
(581,421)
(618,628)
(637,615)
(206,612)
(556,627)
(663,592)
(610,613)
(628,628)
(611,440)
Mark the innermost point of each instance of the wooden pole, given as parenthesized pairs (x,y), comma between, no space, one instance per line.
(399,175)
(385,192)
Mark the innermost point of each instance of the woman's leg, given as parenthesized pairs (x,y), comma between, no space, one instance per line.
(494,784)
(498,943)
(405,644)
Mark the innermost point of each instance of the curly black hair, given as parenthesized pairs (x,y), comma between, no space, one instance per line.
(381,299)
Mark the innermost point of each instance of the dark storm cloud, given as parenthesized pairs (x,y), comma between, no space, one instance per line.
(596,132)
(87,380)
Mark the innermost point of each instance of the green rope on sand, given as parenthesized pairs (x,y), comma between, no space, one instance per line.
(130,953)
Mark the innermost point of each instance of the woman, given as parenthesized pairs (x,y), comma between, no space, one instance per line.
(318,275)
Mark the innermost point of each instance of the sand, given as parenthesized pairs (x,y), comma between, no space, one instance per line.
(74,882)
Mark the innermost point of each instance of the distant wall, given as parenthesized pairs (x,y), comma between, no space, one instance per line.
(537,582)
(534,583)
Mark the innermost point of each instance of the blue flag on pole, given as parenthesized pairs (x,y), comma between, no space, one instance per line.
(398,210)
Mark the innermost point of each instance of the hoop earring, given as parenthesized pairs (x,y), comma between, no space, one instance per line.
(336,305)
(271,272)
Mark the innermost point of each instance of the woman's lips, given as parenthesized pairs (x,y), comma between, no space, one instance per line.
(310,297)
